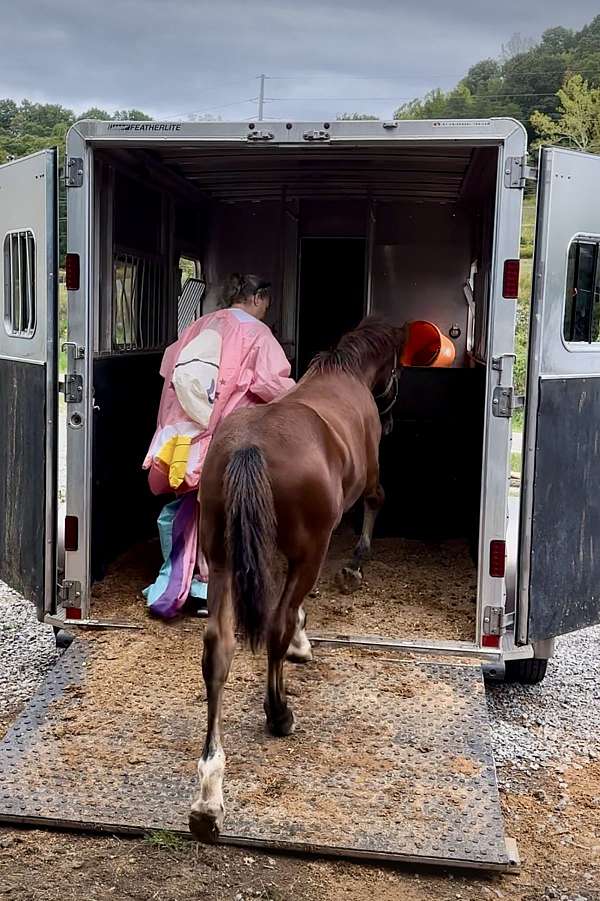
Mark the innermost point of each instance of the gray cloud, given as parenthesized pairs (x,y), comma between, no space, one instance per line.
(175,58)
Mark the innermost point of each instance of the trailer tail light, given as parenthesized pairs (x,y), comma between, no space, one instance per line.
(490,641)
(71,533)
(72,271)
(510,282)
(73,612)
(497,559)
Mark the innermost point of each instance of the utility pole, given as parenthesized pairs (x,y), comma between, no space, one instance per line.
(261,98)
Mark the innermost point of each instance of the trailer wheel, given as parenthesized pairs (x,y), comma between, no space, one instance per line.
(63,639)
(527,672)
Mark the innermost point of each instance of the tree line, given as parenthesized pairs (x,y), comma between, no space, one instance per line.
(552,86)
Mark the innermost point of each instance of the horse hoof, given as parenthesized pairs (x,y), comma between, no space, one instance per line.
(348,580)
(206,822)
(299,659)
(281,725)
(300,650)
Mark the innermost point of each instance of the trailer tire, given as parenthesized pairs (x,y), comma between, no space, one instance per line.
(528,672)
(63,639)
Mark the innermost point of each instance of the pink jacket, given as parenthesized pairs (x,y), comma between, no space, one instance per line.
(225,360)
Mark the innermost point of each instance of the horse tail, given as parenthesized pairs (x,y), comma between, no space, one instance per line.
(250,536)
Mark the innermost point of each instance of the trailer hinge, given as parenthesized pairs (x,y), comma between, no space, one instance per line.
(316,134)
(496,621)
(505,402)
(69,593)
(260,135)
(74,172)
(517,172)
(72,386)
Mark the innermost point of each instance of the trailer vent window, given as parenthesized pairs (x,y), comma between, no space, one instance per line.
(191,293)
(582,302)
(19,284)
(140,309)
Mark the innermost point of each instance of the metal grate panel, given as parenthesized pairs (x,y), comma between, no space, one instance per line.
(391,759)
(140,311)
(19,284)
(190,303)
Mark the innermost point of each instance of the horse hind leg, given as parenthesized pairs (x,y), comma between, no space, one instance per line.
(208,810)
(300,579)
(350,577)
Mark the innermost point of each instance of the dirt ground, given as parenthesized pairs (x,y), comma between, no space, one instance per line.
(406,592)
(554,817)
(559,845)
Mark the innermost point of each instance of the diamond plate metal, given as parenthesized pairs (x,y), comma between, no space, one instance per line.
(391,758)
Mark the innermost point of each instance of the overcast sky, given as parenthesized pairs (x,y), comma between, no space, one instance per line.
(173,58)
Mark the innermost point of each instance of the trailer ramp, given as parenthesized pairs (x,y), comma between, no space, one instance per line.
(391,759)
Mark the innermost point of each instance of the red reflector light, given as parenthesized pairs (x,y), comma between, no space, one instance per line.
(71,533)
(497,559)
(73,612)
(490,641)
(72,271)
(510,282)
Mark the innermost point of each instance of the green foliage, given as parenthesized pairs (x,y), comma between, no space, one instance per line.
(27,127)
(526,80)
(578,124)
(356,117)
(133,115)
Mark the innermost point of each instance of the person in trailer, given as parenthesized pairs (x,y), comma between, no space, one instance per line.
(225,360)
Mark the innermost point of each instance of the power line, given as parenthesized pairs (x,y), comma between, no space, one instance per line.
(395,99)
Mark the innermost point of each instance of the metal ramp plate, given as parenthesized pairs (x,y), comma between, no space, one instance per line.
(391,758)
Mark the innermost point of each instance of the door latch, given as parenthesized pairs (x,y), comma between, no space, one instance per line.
(72,386)
(74,172)
(69,593)
(517,173)
(496,621)
(505,402)
(260,135)
(317,134)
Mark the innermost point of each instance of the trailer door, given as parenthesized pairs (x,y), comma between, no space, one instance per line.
(559,572)
(28,376)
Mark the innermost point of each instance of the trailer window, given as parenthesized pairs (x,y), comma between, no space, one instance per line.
(140,307)
(192,286)
(582,301)
(19,284)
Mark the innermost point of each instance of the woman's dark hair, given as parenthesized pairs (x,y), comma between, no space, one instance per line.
(240,288)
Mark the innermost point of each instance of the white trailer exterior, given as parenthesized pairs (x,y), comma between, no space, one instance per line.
(450,178)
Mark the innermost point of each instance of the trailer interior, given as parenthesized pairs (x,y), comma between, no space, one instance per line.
(406,232)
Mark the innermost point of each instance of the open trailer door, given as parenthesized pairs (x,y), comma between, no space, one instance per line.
(559,571)
(28,376)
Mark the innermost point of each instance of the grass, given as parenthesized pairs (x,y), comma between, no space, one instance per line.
(62,325)
(515,462)
(167,841)
(524,301)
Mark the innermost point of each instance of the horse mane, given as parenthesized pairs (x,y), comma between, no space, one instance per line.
(373,339)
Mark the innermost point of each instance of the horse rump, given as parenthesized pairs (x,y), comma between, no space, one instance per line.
(250,536)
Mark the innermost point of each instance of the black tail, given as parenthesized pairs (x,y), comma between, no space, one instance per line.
(250,537)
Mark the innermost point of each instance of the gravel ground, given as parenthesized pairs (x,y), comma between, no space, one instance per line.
(557,721)
(27,651)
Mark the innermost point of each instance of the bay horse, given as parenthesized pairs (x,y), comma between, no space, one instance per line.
(279,477)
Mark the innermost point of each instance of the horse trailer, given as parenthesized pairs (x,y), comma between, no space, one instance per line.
(408,219)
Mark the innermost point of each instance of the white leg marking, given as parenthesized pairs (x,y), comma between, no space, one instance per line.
(300,650)
(208,809)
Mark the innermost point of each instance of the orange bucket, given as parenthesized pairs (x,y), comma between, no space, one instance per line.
(426,346)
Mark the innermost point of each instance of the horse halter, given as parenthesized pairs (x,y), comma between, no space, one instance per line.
(389,396)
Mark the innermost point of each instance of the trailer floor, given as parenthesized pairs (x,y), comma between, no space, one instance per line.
(391,759)
(411,590)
